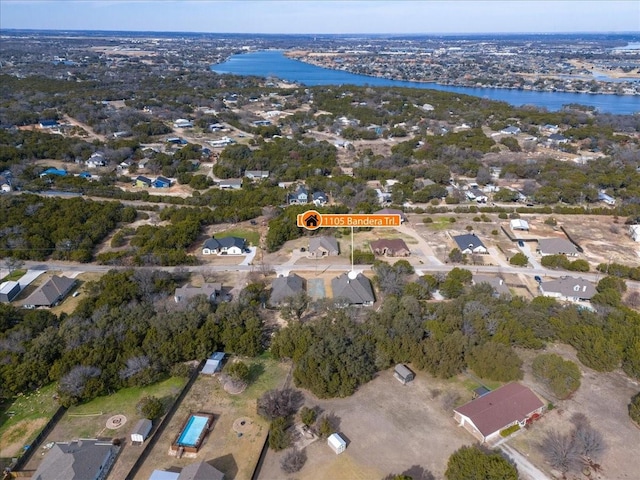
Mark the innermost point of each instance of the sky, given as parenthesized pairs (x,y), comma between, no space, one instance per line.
(325,16)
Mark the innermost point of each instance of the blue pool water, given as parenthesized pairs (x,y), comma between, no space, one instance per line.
(192,430)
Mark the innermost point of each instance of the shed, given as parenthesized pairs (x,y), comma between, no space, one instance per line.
(337,443)
(403,374)
(9,290)
(141,431)
(213,364)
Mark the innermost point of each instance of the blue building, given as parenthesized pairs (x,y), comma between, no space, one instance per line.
(162,182)
(53,171)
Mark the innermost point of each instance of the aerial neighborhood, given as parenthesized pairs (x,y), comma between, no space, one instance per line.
(165,316)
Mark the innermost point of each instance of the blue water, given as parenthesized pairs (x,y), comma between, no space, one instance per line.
(192,430)
(272,63)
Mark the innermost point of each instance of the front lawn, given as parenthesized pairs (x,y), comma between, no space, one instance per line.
(251,236)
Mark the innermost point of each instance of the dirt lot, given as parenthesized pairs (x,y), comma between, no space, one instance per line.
(603,398)
(235,456)
(388,427)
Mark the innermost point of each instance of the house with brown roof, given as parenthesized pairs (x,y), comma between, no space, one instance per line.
(488,414)
(390,247)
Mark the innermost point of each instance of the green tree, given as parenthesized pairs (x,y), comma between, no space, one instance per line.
(150,407)
(308,416)
(279,437)
(519,260)
(472,463)
(561,376)
(238,371)
(634,409)
(495,361)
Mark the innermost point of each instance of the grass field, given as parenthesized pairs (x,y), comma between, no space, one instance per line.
(22,419)
(251,236)
(440,223)
(13,276)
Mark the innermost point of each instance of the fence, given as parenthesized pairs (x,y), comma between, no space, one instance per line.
(157,432)
(35,444)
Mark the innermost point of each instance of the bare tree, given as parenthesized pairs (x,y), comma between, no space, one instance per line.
(589,442)
(279,403)
(293,461)
(560,451)
(13,264)
(74,381)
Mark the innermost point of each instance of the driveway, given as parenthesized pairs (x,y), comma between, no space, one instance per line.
(250,256)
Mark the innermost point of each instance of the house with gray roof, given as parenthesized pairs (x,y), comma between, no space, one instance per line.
(556,246)
(567,288)
(231,183)
(497,283)
(50,293)
(9,290)
(322,246)
(256,174)
(469,243)
(85,459)
(353,289)
(210,290)
(299,197)
(225,246)
(283,288)
(319,198)
(194,471)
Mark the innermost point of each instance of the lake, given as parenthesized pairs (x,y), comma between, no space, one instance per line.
(273,63)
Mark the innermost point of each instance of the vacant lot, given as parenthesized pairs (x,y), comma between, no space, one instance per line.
(390,428)
(603,398)
(234,455)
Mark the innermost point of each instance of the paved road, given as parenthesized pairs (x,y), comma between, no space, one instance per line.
(526,469)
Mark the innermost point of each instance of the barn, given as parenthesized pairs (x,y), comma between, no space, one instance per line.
(403,374)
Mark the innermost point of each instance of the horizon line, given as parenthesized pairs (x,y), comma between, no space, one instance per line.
(611,32)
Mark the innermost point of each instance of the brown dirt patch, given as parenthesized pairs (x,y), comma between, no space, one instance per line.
(13,438)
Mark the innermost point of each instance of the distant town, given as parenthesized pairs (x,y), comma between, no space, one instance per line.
(217,276)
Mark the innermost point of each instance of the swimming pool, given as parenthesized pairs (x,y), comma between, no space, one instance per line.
(192,431)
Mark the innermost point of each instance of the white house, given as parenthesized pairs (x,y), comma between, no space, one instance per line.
(608,199)
(182,123)
(510,130)
(225,246)
(567,288)
(469,243)
(336,443)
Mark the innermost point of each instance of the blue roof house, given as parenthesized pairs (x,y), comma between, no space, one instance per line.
(53,171)
(162,182)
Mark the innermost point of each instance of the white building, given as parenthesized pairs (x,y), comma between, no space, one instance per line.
(634,231)
(141,431)
(519,224)
(336,443)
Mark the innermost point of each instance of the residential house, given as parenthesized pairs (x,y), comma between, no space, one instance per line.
(477,195)
(194,471)
(5,184)
(283,288)
(557,139)
(96,160)
(51,292)
(300,196)
(221,143)
(487,415)
(497,283)
(519,224)
(182,123)
(225,246)
(568,288)
(634,232)
(556,246)
(49,124)
(608,199)
(392,247)
(319,198)
(213,364)
(392,211)
(161,182)
(549,128)
(53,171)
(85,459)
(353,288)
(256,174)
(141,181)
(176,141)
(322,246)
(469,243)
(383,197)
(210,290)
(231,183)
(511,130)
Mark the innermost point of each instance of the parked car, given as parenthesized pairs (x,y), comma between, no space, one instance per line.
(537,279)
(520,243)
